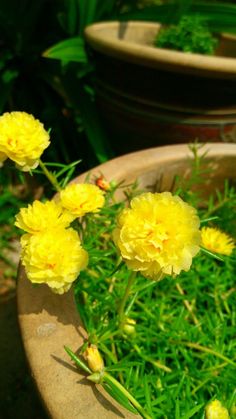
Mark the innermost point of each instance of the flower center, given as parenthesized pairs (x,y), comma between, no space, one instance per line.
(50,265)
(12,142)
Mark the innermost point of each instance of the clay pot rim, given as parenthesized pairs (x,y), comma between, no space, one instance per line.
(172,152)
(97,36)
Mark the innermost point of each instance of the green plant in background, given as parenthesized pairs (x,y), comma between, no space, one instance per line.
(27,81)
(61,95)
(77,79)
(60,91)
(13,194)
(190,35)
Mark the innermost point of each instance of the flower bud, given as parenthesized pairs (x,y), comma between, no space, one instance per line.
(96,377)
(129,326)
(94,359)
(233,411)
(102,183)
(215,410)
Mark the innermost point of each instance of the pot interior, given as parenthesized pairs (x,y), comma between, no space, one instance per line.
(161,176)
(133,42)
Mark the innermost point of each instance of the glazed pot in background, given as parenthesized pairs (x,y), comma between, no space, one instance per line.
(148,96)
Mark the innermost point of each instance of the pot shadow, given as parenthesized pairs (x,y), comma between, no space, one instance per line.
(18,395)
(101,398)
(65,364)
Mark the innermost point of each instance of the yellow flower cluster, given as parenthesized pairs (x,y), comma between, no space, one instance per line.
(215,410)
(51,252)
(82,198)
(158,235)
(217,241)
(22,139)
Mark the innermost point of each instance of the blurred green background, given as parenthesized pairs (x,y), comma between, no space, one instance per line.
(45,68)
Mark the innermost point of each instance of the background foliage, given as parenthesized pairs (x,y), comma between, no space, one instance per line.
(59,90)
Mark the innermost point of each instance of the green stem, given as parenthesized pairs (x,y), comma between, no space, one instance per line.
(216,207)
(109,379)
(205,349)
(188,306)
(124,299)
(156,364)
(52,179)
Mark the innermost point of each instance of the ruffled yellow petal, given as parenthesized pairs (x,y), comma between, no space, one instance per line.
(158,235)
(54,257)
(22,139)
(40,217)
(81,198)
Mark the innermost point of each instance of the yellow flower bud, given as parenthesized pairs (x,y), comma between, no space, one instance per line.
(129,326)
(233,411)
(94,359)
(215,410)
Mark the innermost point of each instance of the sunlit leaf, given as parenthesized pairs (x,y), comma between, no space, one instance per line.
(69,50)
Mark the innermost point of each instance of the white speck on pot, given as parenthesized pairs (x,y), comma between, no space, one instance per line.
(46,329)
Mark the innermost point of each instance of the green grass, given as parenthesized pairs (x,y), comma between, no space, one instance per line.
(175,362)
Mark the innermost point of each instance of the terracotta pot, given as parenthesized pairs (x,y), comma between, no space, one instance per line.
(49,321)
(149,96)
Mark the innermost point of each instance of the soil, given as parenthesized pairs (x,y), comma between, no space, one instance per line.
(18,395)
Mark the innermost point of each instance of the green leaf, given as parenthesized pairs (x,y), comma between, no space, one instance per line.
(72,16)
(95,132)
(192,411)
(87,11)
(69,50)
(121,366)
(77,360)
(6,84)
(177,411)
(106,8)
(118,396)
(214,255)
(206,220)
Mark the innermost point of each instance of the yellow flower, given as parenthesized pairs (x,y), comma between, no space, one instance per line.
(94,359)
(217,241)
(82,198)
(40,217)
(22,139)
(62,289)
(54,257)
(215,410)
(158,235)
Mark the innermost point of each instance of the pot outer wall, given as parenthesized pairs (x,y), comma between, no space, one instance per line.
(143,107)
